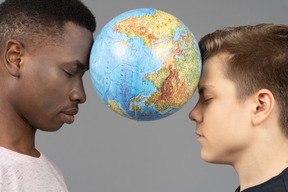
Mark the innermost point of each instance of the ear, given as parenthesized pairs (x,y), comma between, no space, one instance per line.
(13,54)
(264,105)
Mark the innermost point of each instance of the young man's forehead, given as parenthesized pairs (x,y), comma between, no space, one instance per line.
(213,69)
(221,60)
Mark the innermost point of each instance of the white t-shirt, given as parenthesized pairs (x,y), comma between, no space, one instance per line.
(23,173)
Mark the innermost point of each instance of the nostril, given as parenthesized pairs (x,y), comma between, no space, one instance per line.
(191,117)
(83,100)
(78,96)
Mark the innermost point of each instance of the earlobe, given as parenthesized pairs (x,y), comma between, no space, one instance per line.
(13,57)
(264,103)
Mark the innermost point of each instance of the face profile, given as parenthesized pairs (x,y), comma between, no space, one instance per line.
(217,112)
(49,87)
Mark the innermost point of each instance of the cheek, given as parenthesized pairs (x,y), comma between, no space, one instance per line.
(53,79)
(216,115)
(222,120)
(50,87)
(229,126)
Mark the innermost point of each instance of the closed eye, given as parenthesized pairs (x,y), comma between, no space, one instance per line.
(208,100)
(69,75)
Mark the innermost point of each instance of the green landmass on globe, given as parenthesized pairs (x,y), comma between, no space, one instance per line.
(145,64)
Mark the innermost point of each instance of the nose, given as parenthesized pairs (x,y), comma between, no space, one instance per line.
(78,93)
(196,114)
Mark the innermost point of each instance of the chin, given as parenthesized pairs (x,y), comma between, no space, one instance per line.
(211,158)
(51,128)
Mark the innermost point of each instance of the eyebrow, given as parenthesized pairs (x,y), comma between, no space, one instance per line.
(81,66)
(203,88)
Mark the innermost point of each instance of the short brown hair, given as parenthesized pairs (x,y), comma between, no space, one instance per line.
(258,58)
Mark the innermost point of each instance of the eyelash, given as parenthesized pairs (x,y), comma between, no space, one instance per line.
(69,75)
(207,100)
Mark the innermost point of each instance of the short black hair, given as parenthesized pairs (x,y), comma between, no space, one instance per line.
(29,19)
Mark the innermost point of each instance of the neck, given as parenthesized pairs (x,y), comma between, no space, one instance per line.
(262,162)
(15,133)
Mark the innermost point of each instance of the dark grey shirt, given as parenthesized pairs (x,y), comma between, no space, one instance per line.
(278,183)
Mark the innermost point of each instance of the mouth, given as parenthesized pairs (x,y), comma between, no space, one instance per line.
(67,116)
(200,136)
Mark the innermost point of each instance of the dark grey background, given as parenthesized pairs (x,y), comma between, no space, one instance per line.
(104,152)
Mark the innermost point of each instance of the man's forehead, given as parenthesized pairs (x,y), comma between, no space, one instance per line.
(215,65)
(213,69)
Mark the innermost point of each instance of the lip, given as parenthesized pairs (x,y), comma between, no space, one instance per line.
(200,136)
(71,111)
(67,116)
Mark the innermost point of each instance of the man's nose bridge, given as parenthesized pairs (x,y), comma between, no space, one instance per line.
(195,113)
(82,90)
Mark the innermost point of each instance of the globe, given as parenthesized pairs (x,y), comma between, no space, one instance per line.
(145,64)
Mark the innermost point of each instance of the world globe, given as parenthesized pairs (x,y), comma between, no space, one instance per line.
(145,64)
